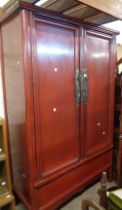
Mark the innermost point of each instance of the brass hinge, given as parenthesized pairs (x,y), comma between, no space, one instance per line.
(77,81)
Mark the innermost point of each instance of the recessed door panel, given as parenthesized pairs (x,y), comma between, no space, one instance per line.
(97,57)
(56,111)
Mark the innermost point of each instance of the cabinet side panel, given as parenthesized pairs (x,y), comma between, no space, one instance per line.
(15,98)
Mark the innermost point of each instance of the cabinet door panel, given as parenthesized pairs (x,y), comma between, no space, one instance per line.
(98,108)
(57,129)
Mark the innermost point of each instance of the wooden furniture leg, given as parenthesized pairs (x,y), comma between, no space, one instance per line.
(88,202)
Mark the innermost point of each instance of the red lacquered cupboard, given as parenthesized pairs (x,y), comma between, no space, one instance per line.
(58,79)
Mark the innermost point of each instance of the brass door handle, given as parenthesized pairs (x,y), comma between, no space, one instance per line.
(84,79)
(81,85)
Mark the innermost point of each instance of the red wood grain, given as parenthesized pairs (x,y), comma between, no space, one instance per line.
(62,150)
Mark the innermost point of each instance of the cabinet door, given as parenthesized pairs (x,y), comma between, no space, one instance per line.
(56,110)
(100,91)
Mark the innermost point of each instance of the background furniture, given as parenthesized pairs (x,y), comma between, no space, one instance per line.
(6,197)
(88,203)
(58,76)
(113,203)
(117,163)
(112,199)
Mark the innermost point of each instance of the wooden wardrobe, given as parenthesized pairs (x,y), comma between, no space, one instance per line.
(58,79)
